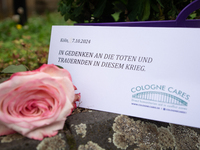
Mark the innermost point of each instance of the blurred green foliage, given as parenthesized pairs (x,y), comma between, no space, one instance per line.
(128,10)
(29,44)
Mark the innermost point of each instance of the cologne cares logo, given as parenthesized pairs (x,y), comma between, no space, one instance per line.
(161,96)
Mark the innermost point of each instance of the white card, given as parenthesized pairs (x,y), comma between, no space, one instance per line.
(145,72)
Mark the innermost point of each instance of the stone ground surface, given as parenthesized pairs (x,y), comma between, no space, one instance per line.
(96,130)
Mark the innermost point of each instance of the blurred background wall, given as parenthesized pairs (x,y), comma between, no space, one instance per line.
(32,7)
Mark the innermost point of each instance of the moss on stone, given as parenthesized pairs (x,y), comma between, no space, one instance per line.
(90,146)
(81,129)
(71,142)
(185,137)
(11,137)
(165,137)
(53,143)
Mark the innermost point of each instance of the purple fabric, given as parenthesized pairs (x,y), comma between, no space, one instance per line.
(179,22)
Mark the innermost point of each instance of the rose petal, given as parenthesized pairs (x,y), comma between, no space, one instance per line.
(46,131)
(54,71)
(22,91)
(68,87)
(36,103)
(5,130)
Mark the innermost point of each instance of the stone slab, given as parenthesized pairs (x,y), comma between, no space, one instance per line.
(102,130)
(92,126)
(97,130)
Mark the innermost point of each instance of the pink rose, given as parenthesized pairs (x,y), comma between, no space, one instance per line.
(36,103)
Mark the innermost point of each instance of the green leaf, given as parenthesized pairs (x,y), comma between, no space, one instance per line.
(63,9)
(141,10)
(192,16)
(14,69)
(160,3)
(66,17)
(155,8)
(69,2)
(120,6)
(77,11)
(59,66)
(135,8)
(146,12)
(100,8)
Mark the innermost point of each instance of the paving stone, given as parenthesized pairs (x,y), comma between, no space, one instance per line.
(18,142)
(102,130)
(58,142)
(92,127)
(96,130)
(10,142)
